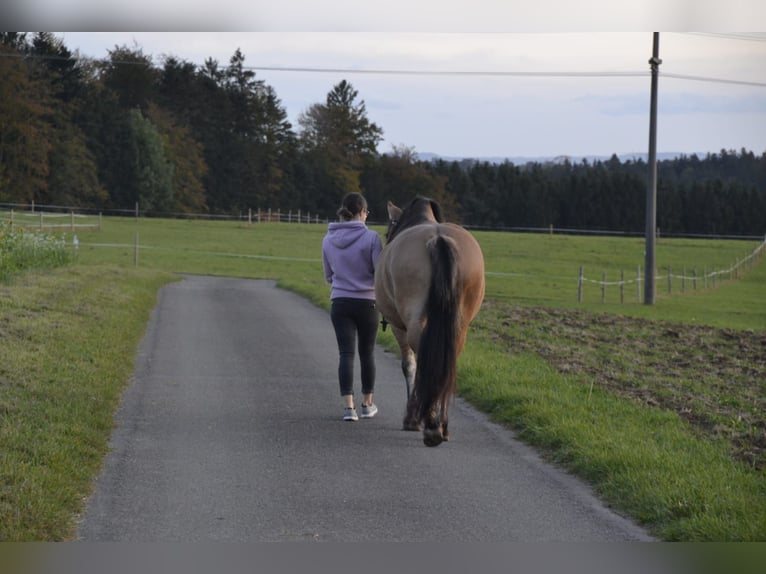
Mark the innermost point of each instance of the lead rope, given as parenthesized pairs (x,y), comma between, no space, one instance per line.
(383,322)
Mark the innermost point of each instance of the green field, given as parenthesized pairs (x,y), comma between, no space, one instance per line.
(527,269)
(661,408)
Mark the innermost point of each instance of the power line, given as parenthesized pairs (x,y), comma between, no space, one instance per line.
(552,74)
(714,80)
(754,37)
(371,71)
(479,73)
(431,73)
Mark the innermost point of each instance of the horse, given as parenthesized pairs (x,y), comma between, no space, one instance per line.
(429,286)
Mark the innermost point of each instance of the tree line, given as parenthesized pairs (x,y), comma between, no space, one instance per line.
(723,193)
(182,138)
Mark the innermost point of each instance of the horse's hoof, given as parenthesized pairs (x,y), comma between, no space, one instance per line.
(432,437)
(411,425)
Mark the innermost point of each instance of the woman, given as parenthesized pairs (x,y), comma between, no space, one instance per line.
(349,254)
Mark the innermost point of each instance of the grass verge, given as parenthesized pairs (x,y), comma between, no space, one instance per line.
(69,342)
(647,462)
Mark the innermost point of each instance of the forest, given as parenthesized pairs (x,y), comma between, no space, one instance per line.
(181,138)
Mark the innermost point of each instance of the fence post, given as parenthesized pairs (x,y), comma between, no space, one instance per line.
(579,286)
(622,286)
(249,215)
(72,224)
(670,279)
(603,287)
(704,276)
(99,221)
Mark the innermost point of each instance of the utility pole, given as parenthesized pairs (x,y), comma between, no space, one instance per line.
(651,190)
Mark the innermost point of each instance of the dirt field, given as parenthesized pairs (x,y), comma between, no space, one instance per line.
(713,378)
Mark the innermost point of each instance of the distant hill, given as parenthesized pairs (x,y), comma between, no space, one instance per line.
(522,160)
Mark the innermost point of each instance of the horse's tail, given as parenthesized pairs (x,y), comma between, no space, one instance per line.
(436,372)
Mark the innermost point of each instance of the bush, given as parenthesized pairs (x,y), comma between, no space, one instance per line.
(24,250)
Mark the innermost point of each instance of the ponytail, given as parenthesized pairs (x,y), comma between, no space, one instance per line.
(352,205)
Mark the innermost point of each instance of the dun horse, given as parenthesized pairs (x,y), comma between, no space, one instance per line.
(429,285)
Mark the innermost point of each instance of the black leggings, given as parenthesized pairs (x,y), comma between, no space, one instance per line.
(349,317)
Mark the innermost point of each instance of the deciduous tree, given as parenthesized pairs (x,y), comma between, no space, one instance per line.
(24,131)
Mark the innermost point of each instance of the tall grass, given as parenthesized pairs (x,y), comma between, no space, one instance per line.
(22,250)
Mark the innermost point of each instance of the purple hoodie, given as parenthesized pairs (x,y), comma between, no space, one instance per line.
(349,254)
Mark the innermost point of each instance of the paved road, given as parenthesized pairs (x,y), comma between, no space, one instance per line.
(231,431)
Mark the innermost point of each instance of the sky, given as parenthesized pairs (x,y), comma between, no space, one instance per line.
(472,83)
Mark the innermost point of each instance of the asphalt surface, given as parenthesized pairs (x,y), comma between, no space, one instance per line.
(231,430)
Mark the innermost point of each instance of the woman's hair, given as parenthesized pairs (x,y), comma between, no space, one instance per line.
(352,205)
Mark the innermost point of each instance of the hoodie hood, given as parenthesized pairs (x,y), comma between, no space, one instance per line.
(344,233)
(349,255)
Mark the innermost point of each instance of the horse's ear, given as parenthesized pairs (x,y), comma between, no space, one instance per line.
(437,211)
(394,213)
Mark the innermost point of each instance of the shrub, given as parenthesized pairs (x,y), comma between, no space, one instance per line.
(24,250)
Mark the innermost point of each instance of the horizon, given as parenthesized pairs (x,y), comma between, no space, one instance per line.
(661,156)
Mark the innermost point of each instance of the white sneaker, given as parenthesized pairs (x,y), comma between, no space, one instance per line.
(349,414)
(369,411)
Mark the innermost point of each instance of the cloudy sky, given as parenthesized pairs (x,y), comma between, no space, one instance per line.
(471,87)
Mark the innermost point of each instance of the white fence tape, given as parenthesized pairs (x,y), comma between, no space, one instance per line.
(731,272)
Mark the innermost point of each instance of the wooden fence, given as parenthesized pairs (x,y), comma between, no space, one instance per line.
(46,220)
(276,215)
(60,217)
(683,281)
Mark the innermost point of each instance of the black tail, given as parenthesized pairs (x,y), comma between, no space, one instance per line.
(436,372)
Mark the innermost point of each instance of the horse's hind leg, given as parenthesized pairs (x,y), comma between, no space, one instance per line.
(445,423)
(409,365)
(434,429)
(408,368)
